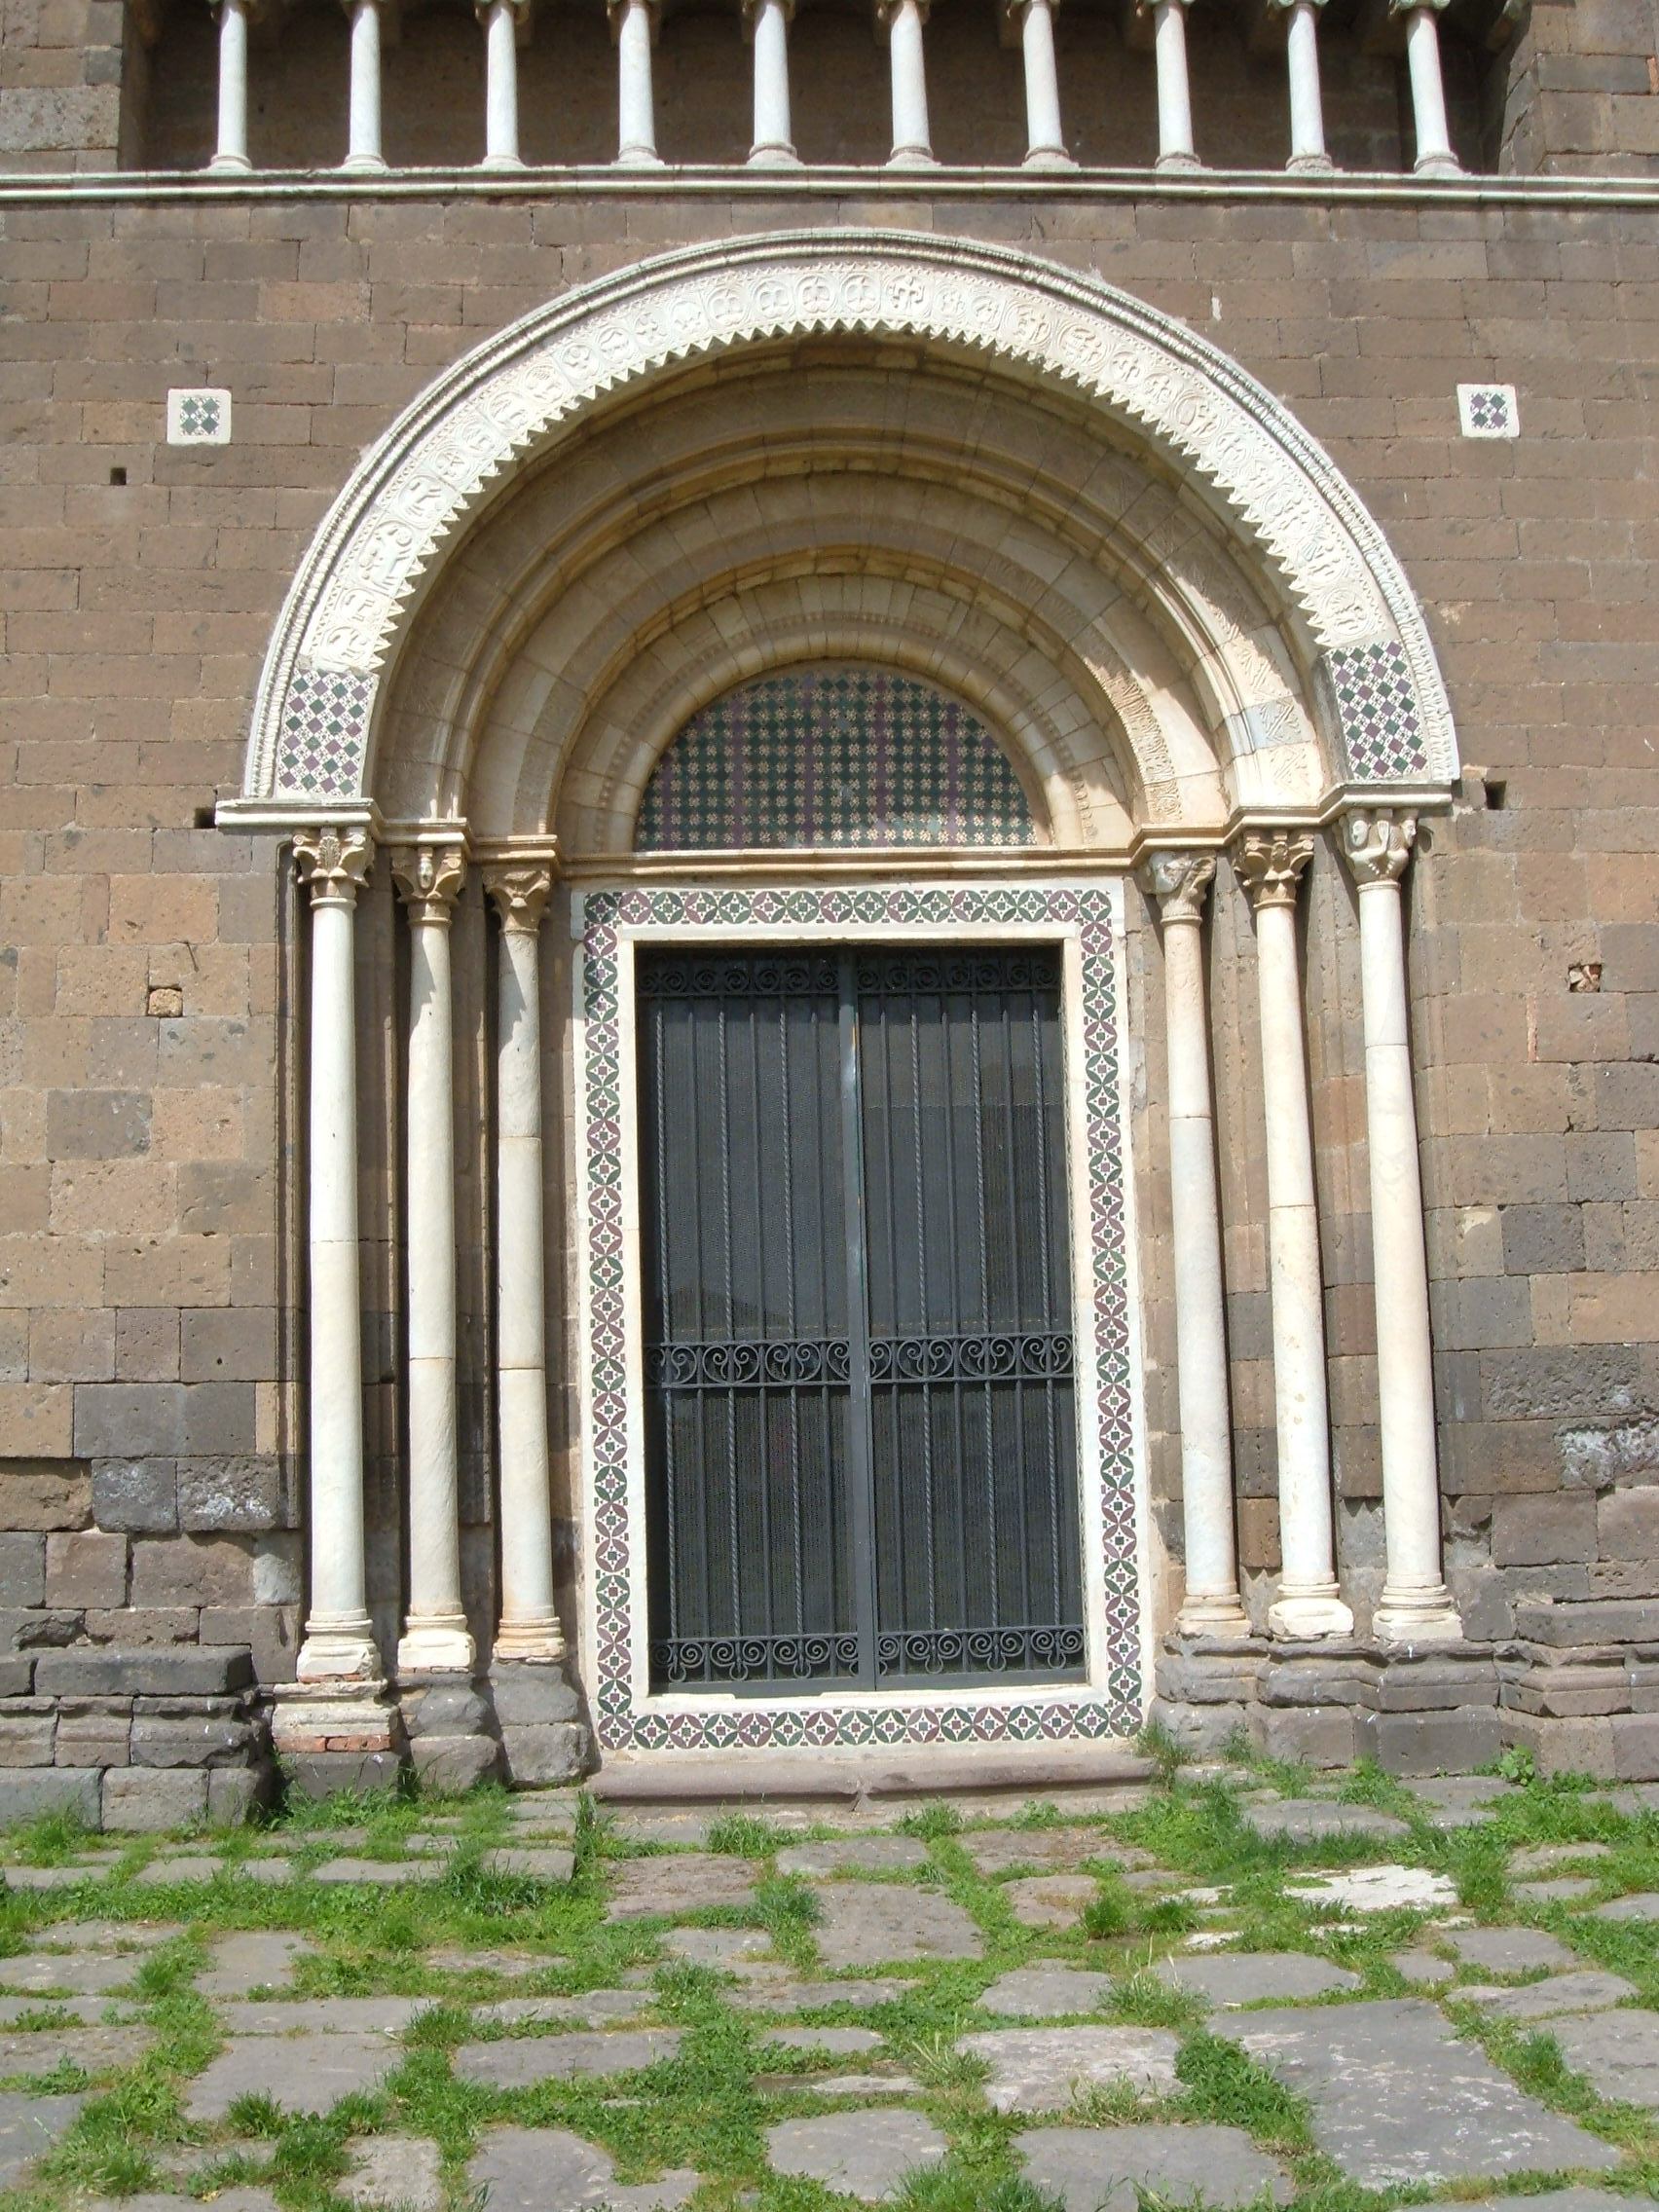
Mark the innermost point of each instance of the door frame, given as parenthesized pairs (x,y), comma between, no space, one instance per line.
(1086,919)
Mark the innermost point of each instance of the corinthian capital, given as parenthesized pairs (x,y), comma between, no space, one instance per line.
(1378,846)
(334,864)
(429,878)
(1269,864)
(519,891)
(1180,883)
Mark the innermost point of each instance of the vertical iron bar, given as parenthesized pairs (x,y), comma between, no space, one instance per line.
(702,1402)
(763,1410)
(1011,1128)
(730,1327)
(1048,1304)
(952,1166)
(790,1307)
(860,1502)
(984,1297)
(927,1321)
(664,1278)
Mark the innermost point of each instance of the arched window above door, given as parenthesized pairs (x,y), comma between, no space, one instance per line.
(843,755)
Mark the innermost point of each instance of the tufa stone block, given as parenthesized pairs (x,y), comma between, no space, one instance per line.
(1543,1532)
(45,1494)
(23,1568)
(530,1694)
(144,1800)
(1311,1737)
(243,1494)
(1430,1742)
(27,1793)
(113,1670)
(137,1496)
(451,1764)
(85,1568)
(545,1751)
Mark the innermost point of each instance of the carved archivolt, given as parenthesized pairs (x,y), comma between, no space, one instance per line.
(441,462)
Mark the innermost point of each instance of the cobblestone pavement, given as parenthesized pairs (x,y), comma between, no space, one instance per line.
(1231,1987)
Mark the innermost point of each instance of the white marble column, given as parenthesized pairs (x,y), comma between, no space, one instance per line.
(634,28)
(1175,149)
(1416,1606)
(529,1621)
(1308,150)
(339,1642)
(1269,864)
(434,1636)
(502,20)
(1180,883)
(768,24)
(363,140)
(1032,23)
(1435,155)
(231,152)
(904,21)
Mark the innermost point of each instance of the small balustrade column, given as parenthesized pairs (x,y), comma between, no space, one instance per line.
(363,140)
(503,22)
(529,1623)
(1269,865)
(1308,150)
(767,22)
(1435,155)
(231,152)
(904,21)
(1416,1606)
(435,1638)
(1032,21)
(1175,149)
(1180,883)
(338,1641)
(634,28)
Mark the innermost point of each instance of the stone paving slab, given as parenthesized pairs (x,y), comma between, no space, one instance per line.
(862,2085)
(1042,2069)
(29,2125)
(855,1854)
(1424,1970)
(461,1958)
(97,2049)
(543,1863)
(261,1957)
(724,1950)
(1058,1851)
(690,1881)
(1105,2169)
(1617,2053)
(1458,1800)
(270,1873)
(787,1995)
(106,1934)
(1644,1905)
(1510,1950)
(546,2170)
(1396,2097)
(316,2072)
(1564,1889)
(1576,2200)
(1560,1993)
(593,2009)
(521,2061)
(1047,1992)
(1551,1858)
(186,1869)
(245,2199)
(382,1873)
(85,1974)
(840,2043)
(91,2010)
(868,1924)
(1310,1820)
(320,2015)
(52,1877)
(1249,1977)
(680,1830)
(1050,1900)
(405,2170)
(1379,1889)
(863,2153)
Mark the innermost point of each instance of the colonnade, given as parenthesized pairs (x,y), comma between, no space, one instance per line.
(902,22)
(1269,864)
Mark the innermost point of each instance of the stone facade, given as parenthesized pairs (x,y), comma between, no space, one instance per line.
(152,1128)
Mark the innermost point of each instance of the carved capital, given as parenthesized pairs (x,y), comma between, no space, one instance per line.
(1417,7)
(886,10)
(519,10)
(1378,846)
(520,891)
(753,7)
(1012,11)
(334,864)
(429,880)
(1269,864)
(616,9)
(1180,883)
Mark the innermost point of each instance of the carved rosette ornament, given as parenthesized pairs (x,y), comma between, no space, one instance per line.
(1269,865)
(428,878)
(1378,846)
(1180,883)
(520,893)
(334,864)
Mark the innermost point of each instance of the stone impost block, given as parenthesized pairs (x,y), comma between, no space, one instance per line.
(1430,1742)
(1627,1524)
(1321,1737)
(1191,1677)
(27,1738)
(17,1674)
(27,1793)
(30,1631)
(200,1741)
(528,1695)
(144,1670)
(545,1751)
(141,1800)
(137,1496)
(1643,1685)
(1543,1530)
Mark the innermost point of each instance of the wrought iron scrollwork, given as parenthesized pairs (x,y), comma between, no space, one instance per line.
(747,1365)
(1016,1358)
(979,1651)
(740,975)
(754,1658)
(929,972)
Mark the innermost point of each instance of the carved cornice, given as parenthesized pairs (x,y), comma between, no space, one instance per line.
(429,880)
(1378,846)
(519,892)
(1269,865)
(334,864)
(1180,883)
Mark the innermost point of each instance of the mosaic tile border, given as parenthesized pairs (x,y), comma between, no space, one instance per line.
(1106,1396)
(325,727)
(1378,712)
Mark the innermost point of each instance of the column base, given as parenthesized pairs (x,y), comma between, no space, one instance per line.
(1438,164)
(536,1640)
(498,162)
(364,165)
(1047,158)
(773,158)
(347,1718)
(1310,164)
(1177,161)
(438,1646)
(1220,1614)
(338,1650)
(912,158)
(230,164)
(1304,1616)
(639,158)
(1414,1619)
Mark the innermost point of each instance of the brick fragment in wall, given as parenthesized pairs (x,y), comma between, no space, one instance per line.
(45,1494)
(84,1568)
(1543,1530)
(138,1495)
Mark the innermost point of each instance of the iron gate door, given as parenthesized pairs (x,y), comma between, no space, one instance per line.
(861,1427)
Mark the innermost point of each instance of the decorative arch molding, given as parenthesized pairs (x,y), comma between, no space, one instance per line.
(434,471)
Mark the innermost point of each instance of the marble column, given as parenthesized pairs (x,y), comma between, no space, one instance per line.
(1435,155)
(1307,150)
(1269,865)
(634,28)
(1416,1606)
(767,22)
(435,1636)
(339,1642)
(529,1621)
(904,21)
(1180,883)
(502,20)
(1175,149)
(363,140)
(1033,21)
(231,152)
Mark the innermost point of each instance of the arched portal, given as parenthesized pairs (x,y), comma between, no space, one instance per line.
(1125,616)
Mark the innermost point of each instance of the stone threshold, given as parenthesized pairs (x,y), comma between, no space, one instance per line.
(866,1774)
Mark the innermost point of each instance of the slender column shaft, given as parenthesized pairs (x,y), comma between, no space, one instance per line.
(634,22)
(1045,137)
(1306,109)
(435,1636)
(500,18)
(363,148)
(231,152)
(338,1641)
(769,29)
(1271,866)
(1181,882)
(530,1620)
(912,142)
(1435,155)
(1415,1606)
(1174,97)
